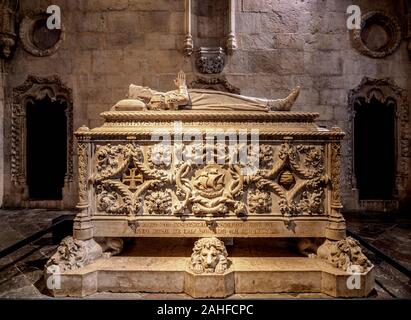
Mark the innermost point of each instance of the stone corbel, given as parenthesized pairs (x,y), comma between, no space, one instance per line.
(7,28)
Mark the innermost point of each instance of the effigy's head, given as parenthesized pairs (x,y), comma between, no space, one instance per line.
(139,92)
(208,253)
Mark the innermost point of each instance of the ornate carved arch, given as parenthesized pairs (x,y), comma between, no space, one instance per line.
(35,89)
(385,91)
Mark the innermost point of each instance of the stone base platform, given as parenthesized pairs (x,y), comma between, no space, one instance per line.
(255,266)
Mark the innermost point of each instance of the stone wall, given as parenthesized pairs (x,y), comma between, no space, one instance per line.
(1,133)
(282,43)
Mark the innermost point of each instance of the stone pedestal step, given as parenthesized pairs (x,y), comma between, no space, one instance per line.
(244,275)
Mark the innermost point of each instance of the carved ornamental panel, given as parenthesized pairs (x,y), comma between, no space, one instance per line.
(127,180)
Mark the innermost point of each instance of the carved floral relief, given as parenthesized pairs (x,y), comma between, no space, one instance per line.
(129,181)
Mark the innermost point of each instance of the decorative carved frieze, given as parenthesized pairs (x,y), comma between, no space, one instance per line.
(36,89)
(127,183)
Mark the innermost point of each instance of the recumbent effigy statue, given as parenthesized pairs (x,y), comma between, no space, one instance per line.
(144,98)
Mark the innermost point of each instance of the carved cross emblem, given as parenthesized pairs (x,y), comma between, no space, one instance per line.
(132,178)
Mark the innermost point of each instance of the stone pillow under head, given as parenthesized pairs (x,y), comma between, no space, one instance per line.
(129,105)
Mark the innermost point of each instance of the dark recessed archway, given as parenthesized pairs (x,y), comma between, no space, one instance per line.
(42,142)
(46,147)
(374,150)
(376,173)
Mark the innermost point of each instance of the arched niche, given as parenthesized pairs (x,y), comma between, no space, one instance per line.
(38,91)
(382,91)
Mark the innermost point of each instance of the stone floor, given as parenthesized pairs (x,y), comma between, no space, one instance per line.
(21,271)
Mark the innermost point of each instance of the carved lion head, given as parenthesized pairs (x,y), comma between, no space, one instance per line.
(346,254)
(70,254)
(209,255)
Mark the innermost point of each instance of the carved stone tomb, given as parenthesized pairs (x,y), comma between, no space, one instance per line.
(156,198)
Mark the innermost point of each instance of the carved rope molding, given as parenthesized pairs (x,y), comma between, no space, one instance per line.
(385,90)
(37,88)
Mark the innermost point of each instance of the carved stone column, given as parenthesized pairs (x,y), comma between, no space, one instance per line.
(8,35)
(336,226)
(83,227)
(188,42)
(231,40)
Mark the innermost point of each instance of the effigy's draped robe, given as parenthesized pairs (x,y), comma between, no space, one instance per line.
(204,99)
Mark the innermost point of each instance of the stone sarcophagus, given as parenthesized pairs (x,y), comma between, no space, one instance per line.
(245,175)
(216,166)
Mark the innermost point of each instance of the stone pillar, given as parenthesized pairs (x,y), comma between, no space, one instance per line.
(231,40)
(336,225)
(188,43)
(83,226)
(8,36)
